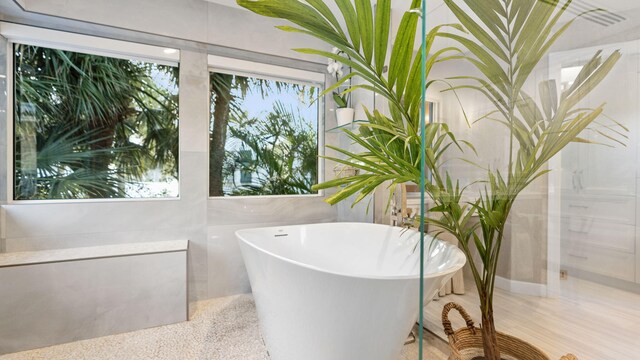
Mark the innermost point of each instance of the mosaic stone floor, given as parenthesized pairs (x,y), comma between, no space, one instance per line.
(225,329)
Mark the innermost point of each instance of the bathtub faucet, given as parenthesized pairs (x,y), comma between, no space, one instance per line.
(398,218)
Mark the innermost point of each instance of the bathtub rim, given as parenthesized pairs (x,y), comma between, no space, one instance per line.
(458,263)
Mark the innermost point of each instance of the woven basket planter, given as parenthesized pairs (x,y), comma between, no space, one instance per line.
(466,343)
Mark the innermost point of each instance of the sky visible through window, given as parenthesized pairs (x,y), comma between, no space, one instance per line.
(257,106)
(271,144)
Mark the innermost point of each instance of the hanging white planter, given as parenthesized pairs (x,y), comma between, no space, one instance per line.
(344,116)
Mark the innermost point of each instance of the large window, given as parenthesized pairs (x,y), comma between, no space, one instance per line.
(90,126)
(264,136)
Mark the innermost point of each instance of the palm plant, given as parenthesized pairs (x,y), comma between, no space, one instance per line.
(505,40)
(97,105)
(61,166)
(392,143)
(226,90)
(222,86)
(280,149)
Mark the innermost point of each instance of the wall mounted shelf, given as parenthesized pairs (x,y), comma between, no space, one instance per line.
(350,126)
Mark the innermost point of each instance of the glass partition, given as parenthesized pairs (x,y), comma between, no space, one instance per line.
(568,272)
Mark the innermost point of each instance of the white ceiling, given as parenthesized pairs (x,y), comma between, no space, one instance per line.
(611,5)
(629,9)
(401,5)
(615,5)
(231,3)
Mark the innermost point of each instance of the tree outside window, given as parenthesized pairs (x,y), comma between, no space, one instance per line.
(263,136)
(89,126)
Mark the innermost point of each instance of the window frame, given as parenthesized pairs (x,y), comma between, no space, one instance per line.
(86,44)
(234,66)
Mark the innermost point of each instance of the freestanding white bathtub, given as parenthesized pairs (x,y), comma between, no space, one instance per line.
(341,291)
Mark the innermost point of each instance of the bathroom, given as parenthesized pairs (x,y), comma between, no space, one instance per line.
(153,268)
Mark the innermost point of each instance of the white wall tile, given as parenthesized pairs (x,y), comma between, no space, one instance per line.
(194,101)
(195,20)
(241,29)
(227,273)
(4,128)
(184,19)
(284,209)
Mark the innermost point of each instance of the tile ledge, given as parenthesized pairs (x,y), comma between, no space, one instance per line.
(23,258)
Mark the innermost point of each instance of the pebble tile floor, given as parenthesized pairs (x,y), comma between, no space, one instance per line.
(224,329)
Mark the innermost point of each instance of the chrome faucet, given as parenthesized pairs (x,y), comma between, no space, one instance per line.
(398,218)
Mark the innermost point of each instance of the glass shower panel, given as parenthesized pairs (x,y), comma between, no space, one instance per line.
(593,186)
(594,257)
(568,275)
(599,182)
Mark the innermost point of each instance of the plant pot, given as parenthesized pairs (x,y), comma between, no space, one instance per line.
(344,116)
(466,343)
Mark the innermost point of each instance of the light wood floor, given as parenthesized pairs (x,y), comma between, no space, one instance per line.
(592,321)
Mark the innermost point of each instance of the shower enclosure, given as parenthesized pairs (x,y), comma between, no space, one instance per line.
(596,196)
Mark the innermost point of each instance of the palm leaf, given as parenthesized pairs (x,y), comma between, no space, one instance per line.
(382,28)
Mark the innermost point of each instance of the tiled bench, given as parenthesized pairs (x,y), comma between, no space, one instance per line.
(55,296)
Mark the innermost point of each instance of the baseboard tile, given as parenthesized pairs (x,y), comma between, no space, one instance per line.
(521,287)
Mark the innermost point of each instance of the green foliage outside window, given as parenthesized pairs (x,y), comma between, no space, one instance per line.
(89,126)
(264,137)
